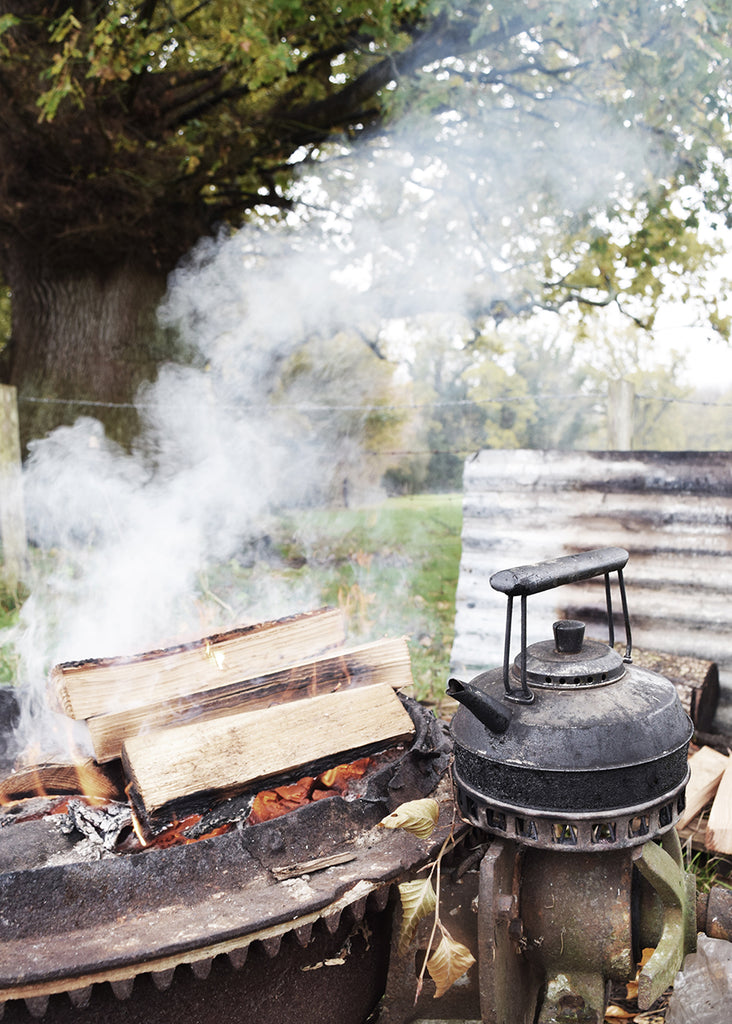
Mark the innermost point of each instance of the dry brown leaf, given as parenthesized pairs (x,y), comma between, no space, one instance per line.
(449,962)
(615,1012)
(417,816)
(631,989)
(418,901)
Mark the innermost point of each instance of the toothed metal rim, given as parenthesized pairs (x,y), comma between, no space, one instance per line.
(354,899)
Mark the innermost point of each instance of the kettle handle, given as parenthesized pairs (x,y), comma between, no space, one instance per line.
(535,579)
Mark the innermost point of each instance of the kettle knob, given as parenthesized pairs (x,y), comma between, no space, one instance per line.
(569,635)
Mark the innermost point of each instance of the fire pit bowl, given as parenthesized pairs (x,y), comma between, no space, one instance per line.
(308,890)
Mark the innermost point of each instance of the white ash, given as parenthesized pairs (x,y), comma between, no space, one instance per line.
(28,808)
(100,826)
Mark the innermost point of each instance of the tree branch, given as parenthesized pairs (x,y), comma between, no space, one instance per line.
(441,40)
(179,108)
(175,20)
(177,119)
(146,11)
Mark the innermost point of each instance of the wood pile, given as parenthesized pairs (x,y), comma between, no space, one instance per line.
(707,820)
(227,713)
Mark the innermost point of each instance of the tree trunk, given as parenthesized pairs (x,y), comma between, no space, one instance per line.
(80,338)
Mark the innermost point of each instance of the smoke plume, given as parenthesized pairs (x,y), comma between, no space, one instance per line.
(421,222)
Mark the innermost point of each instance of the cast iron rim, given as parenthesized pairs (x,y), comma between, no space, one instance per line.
(582,831)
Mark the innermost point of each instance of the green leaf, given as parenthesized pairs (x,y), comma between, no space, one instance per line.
(417,816)
(67,23)
(418,901)
(7,21)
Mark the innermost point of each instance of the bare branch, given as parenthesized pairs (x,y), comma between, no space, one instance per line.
(146,11)
(441,40)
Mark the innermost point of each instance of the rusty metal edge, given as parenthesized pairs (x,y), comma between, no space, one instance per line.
(71,984)
(420,852)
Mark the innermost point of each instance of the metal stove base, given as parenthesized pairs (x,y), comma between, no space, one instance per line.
(72,927)
(555,931)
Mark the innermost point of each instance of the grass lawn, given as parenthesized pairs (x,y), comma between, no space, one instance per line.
(393,568)
(8,617)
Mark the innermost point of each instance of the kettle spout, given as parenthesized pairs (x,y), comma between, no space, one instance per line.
(486,709)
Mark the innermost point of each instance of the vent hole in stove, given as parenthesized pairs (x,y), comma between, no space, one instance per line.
(564,833)
(638,826)
(526,828)
(666,815)
(496,820)
(604,832)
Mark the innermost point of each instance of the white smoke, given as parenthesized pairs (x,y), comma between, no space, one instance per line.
(405,229)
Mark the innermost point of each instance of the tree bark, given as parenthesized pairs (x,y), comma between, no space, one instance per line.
(82,337)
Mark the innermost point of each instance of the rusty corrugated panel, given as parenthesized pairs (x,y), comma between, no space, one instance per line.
(671,510)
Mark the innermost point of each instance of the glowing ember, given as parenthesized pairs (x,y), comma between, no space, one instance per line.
(85,783)
(175,835)
(272,803)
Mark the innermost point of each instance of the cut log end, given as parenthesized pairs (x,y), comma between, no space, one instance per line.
(83,779)
(695,679)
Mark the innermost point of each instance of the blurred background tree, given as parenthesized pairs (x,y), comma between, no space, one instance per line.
(129,130)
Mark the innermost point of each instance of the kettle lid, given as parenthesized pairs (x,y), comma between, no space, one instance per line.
(569,661)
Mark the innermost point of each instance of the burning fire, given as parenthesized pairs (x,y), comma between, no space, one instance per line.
(176,834)
(268,804)
(217,657)
(47,780)
(272,803)
(88,783)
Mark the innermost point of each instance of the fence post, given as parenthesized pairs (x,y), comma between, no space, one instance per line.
(12,514)
(620,408)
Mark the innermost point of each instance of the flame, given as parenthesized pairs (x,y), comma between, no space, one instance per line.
(273,803)
(217,657)
(81,779)
(95,786)
(136,823)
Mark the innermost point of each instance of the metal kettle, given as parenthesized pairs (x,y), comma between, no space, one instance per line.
(570,744)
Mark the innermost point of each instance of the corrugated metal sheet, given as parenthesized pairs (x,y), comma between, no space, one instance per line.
(671,510)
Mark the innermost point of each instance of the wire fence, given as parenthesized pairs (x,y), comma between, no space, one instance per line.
(449,448)
(399,406)
(458,447)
